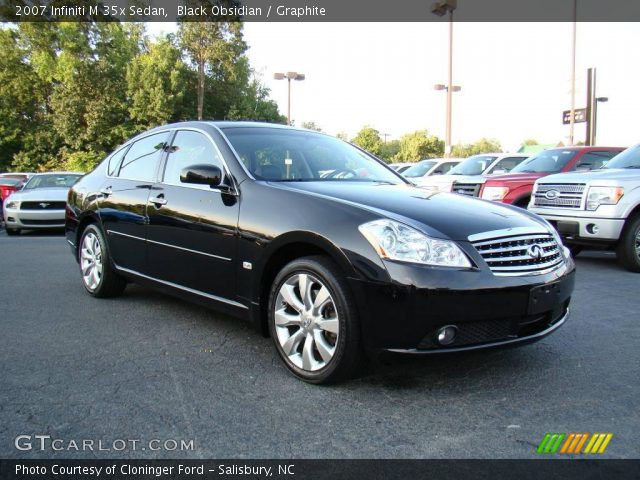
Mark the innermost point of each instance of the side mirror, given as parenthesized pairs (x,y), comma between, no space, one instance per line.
(202,175)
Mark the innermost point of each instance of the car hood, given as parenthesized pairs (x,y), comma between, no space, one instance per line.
(440,215)
(43,194)
(517,177)
(603,174)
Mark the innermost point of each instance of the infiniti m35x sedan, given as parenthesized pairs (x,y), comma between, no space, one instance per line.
(321,245)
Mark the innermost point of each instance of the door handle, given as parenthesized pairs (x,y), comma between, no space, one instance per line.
(106,191)
(158,201)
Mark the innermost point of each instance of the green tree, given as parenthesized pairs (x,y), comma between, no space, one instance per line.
(484,145)
(157,82)
(214,48)
(368,138)
(390,150)
(310,125)
(530,141)
(343,136)
(419,145)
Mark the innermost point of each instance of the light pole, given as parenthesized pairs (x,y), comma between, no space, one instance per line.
(595,117)
(441,8)
(289,76)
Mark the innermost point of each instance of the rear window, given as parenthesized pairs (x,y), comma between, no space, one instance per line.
(141,161)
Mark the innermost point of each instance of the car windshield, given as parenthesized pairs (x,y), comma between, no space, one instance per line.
(548,161)
(10,182)
(473,165)
(419,169)
(630,158)
(52,180)
(283,155)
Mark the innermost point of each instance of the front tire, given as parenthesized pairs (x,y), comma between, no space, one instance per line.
(98,276)
(313,322)
(628,251)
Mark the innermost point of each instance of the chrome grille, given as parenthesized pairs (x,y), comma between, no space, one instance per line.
(469,189)
(528,254)
(567,195)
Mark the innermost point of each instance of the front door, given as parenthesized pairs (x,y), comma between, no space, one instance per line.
(191,236)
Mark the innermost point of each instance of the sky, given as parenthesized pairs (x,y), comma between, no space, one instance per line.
(515,77)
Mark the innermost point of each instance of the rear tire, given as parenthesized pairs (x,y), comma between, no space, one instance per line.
(313,321)
(99,278)
(628,250)
(13,231)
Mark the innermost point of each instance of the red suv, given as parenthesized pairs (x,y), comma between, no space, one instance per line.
(516,187)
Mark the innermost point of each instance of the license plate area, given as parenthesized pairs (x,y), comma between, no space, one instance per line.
(548,297)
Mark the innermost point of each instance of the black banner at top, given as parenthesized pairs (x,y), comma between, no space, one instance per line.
(321,10)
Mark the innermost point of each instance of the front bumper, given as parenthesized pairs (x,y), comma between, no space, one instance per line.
(487,311)
(33,219)
(582,228)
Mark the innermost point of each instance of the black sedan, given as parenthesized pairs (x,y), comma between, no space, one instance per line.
(319,244)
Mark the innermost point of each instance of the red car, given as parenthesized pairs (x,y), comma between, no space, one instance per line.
(11,182)
(516,187)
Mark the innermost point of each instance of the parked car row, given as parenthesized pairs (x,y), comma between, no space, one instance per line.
(591,195)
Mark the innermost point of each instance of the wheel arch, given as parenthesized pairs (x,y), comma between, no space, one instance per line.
(283,250)
(87,219)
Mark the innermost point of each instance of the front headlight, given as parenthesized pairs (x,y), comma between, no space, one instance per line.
(11,205)
(603,196)
(395,241)
(495,193)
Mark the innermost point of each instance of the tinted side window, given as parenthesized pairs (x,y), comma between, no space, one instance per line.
(593,160)
(114,162)
(189,148)
(141,160)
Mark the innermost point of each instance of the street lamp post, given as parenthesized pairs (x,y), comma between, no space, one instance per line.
(441,8)
(289,76)
(595,117)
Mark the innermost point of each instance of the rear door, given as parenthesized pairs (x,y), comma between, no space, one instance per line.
(123,208)
(192,238)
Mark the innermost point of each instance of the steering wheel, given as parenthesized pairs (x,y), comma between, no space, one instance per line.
(339,171)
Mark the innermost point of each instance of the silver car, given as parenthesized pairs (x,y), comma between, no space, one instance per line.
(41,202)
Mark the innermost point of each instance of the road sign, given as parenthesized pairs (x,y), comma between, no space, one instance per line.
(580,116)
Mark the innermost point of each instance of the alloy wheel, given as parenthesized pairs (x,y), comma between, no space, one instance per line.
(91,261)
(306,322)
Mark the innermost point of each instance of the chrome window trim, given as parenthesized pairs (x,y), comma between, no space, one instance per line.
(218,257)
(181,287)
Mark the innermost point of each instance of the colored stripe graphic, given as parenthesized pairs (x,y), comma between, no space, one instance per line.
(551,442)
(573,442)
(598,443)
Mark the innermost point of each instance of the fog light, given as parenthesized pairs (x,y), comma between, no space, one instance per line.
(593,229)
(446,335)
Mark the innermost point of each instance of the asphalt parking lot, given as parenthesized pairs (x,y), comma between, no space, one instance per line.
(146,366)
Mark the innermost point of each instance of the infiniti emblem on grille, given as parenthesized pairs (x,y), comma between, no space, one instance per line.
(535,251)
(552,194)
(44,204)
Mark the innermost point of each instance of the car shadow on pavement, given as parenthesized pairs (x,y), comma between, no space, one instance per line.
(599,259)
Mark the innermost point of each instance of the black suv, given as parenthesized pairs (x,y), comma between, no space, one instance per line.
(320,244)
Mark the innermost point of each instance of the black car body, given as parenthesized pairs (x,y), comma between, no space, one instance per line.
(226,242)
